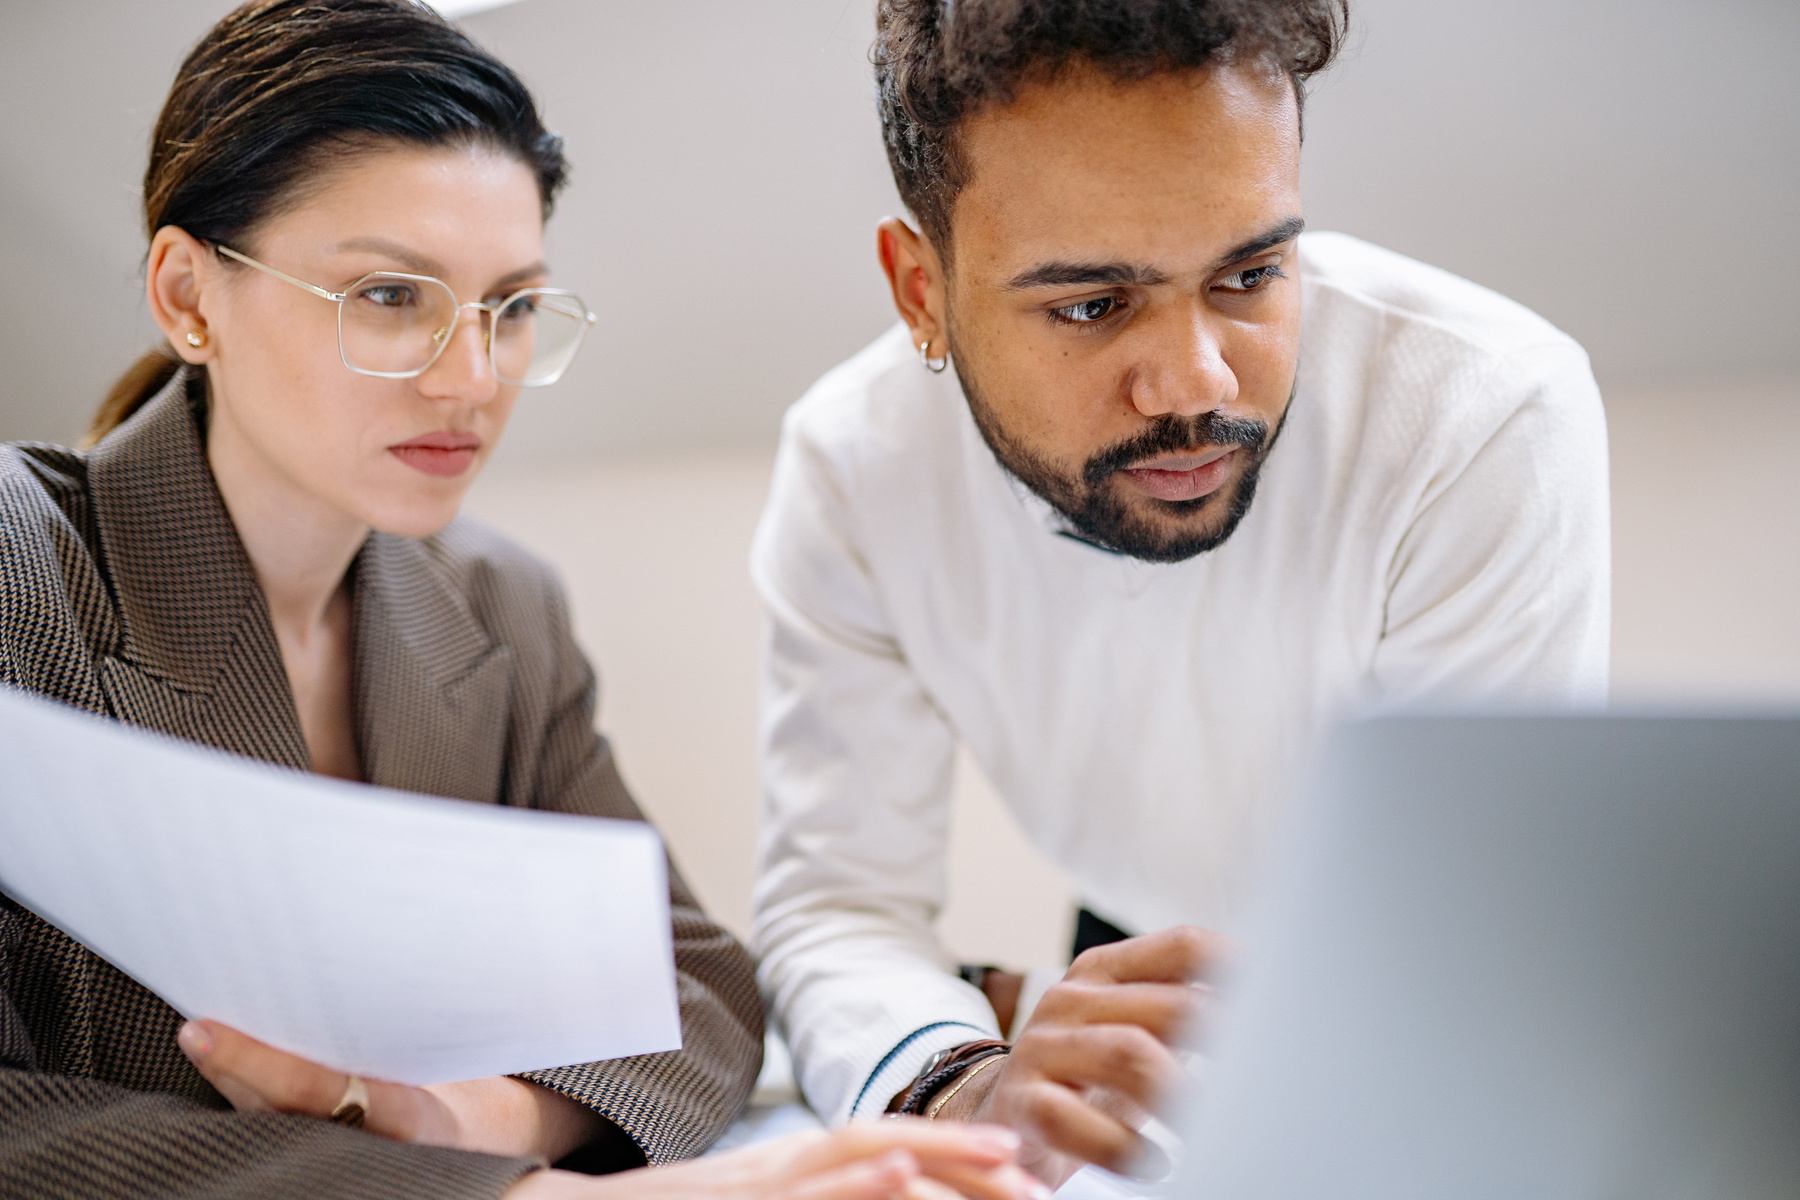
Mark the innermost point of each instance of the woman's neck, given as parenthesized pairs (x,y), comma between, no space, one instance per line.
(300,546)
(301,549)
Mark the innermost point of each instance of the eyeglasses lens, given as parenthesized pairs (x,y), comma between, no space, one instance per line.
(392,324)
(536,335)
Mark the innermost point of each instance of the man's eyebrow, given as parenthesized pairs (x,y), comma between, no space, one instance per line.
(1088,274)
(1285,231)
(1064,273)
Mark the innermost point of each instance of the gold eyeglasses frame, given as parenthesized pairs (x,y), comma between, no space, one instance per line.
(442,337)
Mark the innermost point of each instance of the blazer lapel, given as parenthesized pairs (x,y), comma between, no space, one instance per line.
(198,658)
(434,692)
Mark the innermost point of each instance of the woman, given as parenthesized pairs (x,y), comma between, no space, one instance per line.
(346,201)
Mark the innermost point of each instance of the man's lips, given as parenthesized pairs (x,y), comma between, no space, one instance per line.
(441,454)
(1184,476)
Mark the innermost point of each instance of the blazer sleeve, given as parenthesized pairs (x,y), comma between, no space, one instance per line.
(68,1136)
(673,1105)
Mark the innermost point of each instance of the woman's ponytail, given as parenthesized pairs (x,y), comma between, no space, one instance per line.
(142,380)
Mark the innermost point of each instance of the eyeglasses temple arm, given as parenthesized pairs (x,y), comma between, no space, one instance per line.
(334,297)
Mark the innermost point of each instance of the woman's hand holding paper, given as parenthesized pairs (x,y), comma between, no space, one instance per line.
(499,1115)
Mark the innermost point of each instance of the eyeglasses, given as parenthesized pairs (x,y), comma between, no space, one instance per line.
(394,326)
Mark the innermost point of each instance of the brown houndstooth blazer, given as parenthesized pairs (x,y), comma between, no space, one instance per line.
(124,590)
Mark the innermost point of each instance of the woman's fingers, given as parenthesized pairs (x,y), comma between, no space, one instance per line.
(924,1187)
(235,1062)
(1008,1182)
(877,1178)
(256,1077)
(927,1141)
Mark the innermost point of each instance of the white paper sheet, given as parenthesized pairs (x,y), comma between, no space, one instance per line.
(400,937)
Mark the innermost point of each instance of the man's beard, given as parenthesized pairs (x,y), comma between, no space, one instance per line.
(1091,504)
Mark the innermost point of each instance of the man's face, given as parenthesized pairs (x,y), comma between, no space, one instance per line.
(1123,302)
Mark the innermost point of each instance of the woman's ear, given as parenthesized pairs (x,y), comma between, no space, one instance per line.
(175,279)
(916,278)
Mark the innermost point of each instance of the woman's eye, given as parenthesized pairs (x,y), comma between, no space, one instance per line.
(387,295)
(1087,311)
(1249,281)
(520,309)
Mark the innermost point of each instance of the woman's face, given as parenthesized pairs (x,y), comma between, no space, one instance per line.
(392,454)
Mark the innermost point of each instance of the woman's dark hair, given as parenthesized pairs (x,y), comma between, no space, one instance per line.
(938,62)
(281,89)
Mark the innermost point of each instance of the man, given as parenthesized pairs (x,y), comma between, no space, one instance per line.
(1196,487)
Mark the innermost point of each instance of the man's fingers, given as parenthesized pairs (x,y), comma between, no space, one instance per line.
(1124,1058)
(1070,1125)
(1182,954)
(1167,1010)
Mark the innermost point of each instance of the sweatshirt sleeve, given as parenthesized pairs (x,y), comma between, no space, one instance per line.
(672,1105)
(1500,592)
(856,804)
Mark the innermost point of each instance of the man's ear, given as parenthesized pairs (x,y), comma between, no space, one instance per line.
(179,267)
(916,279)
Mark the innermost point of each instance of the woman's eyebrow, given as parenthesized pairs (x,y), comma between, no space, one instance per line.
(425,265)
(409,258)
(521,275)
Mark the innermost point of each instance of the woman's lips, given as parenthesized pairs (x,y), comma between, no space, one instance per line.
(440,454)
(1187,477)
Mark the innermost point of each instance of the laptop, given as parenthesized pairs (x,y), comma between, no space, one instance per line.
(1520,959)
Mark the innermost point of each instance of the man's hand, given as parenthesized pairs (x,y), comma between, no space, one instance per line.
(495,1116)
(1097,1055)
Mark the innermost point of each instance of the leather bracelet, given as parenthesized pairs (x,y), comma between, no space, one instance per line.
(942,1069)
(971,1073)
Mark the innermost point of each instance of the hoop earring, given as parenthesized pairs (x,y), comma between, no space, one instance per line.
(925,357)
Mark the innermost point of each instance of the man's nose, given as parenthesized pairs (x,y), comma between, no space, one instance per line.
(463,371)
(1181,367)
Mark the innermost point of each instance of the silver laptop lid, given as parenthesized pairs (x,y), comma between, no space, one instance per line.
(1516,958)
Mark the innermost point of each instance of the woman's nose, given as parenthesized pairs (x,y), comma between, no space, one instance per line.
(463,371)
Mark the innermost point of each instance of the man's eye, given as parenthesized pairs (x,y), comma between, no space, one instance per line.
(1086,312)
(1249,281)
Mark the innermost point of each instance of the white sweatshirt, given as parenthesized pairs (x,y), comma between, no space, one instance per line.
(1432,525)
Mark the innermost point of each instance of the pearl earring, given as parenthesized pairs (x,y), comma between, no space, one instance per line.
(196,339)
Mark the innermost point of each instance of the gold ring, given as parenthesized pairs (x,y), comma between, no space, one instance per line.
(354,1106)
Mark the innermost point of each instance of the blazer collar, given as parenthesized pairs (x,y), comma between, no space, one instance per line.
(433,690)
(186,592)
(200,660)
(198,657)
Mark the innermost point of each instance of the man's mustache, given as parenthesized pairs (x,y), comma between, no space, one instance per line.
(1170,434)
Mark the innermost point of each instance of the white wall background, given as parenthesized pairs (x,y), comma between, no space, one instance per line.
(1631,168)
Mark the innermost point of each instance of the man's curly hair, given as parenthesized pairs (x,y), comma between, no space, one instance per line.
(939,61)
